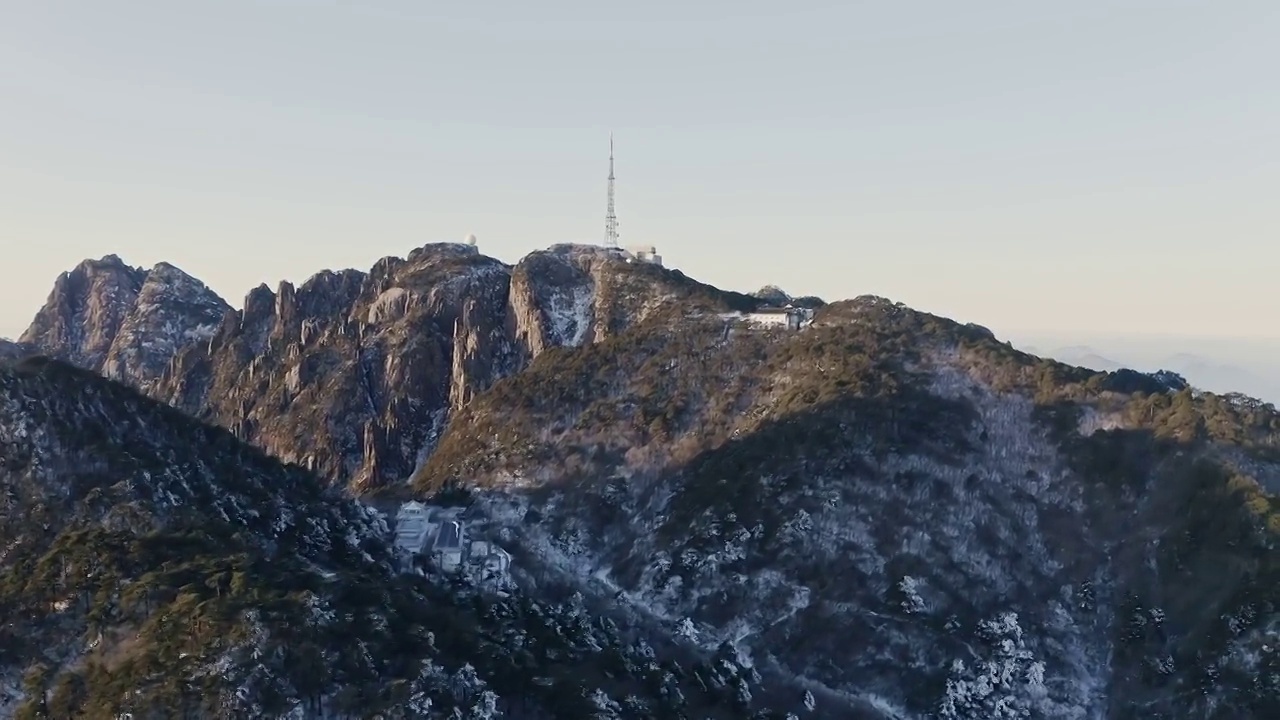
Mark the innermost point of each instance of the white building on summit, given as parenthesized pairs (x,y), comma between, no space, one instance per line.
(644,253)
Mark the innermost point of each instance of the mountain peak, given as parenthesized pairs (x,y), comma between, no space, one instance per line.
(172,310)
(106,261)
(776,296)
(85,310)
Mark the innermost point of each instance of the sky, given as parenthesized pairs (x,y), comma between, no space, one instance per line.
(1053,168)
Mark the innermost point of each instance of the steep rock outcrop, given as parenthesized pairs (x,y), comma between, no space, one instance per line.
(171,311)
(351,374)
(570,295)
(84,312)
(124,322)
(553,300)
(355,374)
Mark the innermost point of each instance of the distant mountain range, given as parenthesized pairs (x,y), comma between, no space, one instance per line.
(1203,372)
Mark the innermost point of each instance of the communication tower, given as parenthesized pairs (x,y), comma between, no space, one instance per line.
(610,217)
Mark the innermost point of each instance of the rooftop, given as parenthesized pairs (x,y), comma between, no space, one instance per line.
(450,536)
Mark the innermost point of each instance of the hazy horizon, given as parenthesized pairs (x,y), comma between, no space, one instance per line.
(1092,168)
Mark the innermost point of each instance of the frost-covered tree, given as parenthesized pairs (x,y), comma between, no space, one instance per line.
(1005,682)
(605,707)
(912,603)
(485,707)
(685,629)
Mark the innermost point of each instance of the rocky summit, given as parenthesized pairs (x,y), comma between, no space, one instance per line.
(707,504)
(123,322)
(352,374)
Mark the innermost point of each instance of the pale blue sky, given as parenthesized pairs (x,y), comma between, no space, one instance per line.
(1049,167)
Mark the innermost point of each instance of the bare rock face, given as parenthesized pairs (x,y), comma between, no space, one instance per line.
(353,374)
(553,300)
(84,312)
(172,310)
(356,375)
(571,295)
(124,322)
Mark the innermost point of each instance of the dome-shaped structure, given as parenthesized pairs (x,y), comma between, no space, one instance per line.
(470,239)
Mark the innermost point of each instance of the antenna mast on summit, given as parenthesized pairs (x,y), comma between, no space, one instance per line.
(610,217)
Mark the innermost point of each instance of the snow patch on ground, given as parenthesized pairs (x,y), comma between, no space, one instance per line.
(569,315)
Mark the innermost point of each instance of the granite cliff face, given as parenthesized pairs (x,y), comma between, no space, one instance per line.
(84,312)
(349,374)
(172,310)
(123,322)
(355,375)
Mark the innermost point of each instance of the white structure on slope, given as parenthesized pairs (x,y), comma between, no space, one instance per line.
(441,534)
(414,528)
(789,317)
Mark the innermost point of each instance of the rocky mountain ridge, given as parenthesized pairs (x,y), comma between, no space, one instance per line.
(899,515)
(123,322)
(353,374)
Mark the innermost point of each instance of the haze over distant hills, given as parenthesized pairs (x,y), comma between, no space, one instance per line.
(1218,365)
